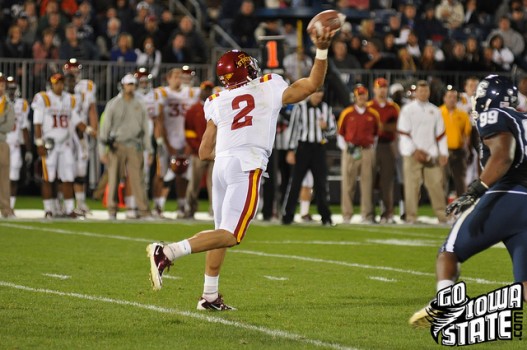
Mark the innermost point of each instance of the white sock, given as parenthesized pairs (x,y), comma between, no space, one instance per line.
(80,197)
(443,284)
(210,288)
(12,201)
(181,202)
(129,201)
(48,205)
(162,201)
(69,205)
(304,208)
(177,250)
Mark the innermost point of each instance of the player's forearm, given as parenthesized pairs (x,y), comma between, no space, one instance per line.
(93,117)
(38,131)
(27,141)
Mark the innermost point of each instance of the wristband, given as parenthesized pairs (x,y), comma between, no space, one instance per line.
(484,184)
(159,141)
(321,54)
(39,142)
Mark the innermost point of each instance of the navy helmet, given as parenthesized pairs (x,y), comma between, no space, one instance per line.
(494,91)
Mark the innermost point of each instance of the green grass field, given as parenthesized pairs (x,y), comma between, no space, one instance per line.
(84,285)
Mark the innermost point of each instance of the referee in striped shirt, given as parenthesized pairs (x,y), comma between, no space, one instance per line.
(311,122)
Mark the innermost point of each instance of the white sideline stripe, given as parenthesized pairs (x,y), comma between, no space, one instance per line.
(292,257)
(382,279)
(61,277)
(272,278)
(199,316)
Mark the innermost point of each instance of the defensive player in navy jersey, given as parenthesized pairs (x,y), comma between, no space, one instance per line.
(494,208)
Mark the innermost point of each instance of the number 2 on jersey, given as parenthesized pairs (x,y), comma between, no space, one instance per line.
(237,122)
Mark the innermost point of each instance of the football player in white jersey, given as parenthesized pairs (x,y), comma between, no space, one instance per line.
(151,99)
(85,94)
(17,137)
(241,127)
(176,99)
(56,118)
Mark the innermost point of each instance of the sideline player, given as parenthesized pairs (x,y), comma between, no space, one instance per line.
(496,197)
(85,94)
(151,100)
(18,134)
(176,98)
(241,127)
(55,118)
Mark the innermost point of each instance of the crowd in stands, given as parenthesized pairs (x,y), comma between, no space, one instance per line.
(409,34)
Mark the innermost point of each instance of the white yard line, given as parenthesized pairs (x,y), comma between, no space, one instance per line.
(60,277)
(199,316)
(273,278)
(382,279)
(308,242)
(256,253)
(361,266)
(169,277)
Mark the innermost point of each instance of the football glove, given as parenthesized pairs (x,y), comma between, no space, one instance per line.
(475,190)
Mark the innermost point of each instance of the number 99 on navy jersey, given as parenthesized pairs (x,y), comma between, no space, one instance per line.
(496,120)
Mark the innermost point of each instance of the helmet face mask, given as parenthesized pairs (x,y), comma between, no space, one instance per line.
(236,68)
(494,91)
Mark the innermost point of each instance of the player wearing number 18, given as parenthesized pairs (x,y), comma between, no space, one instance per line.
(494,208)
(55,118)
(240,132)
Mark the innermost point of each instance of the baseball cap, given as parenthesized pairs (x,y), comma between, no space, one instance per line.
(206,84)
(380,82)
(360,90)
(55,78)
(128,79)
(142,5)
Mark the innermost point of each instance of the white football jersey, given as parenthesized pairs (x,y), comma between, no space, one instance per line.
(85,91)
(21,107)
(175,105)
(151,101)
(58,115)
(246,119)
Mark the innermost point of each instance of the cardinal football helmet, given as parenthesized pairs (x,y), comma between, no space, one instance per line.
(187,76)
(72,67)
(179,165)
(236,68)
(144,79)
(12,88)
(494,91)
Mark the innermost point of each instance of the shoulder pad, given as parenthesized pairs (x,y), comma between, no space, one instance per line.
(46,99)
(213,96)
(265,78)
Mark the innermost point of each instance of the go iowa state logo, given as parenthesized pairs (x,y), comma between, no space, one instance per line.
(460,320)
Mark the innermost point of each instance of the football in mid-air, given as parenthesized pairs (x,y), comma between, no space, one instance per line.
(326,19)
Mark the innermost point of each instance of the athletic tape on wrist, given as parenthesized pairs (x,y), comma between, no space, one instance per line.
(321,54)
